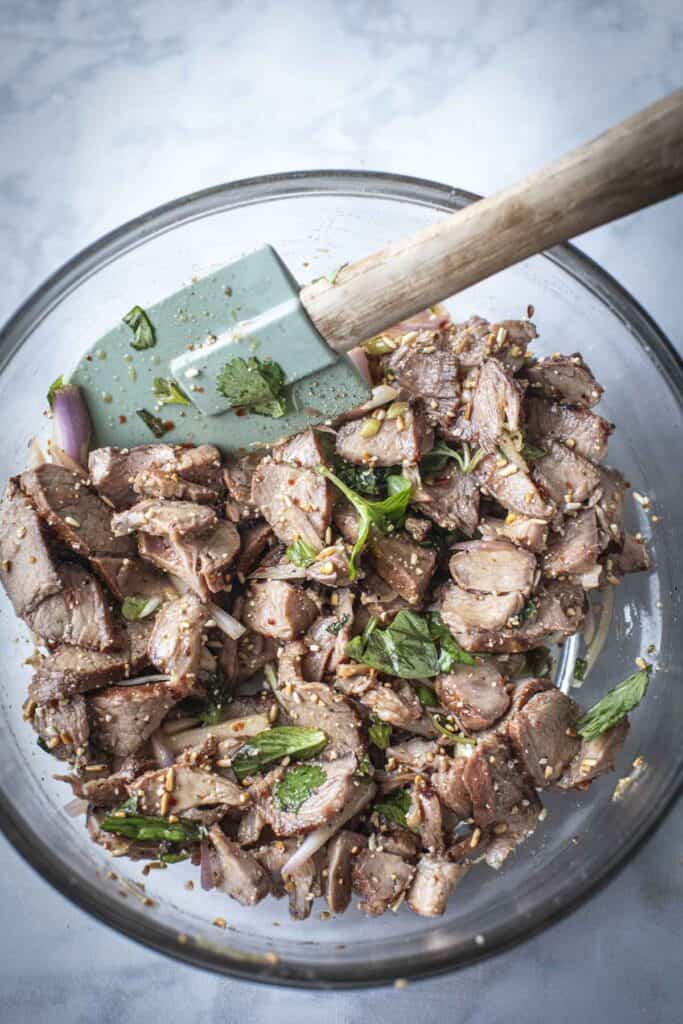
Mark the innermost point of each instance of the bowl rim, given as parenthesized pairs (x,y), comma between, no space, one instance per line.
(109,247)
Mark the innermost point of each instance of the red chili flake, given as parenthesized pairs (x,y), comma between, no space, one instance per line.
(530,311)
(88,359)
(169,424)
(199,391)
(123,419)
(240,412)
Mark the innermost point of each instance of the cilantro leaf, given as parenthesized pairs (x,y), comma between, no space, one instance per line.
(142,329)
(298,785)
(273,744)
(137,606)
(614,706)
(255,384)
(379,733)
(167,392)
(412,647)
(301,554)
(153,422)
(394,807)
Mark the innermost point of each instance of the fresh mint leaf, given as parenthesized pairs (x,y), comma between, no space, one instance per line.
(335,628)
(412,647)
(254,384)
(167,392)
(426,696)
(137,607)
(153,422)
(274,744)
(298,784)
(451,652)
(394,807)
(143,332)
(56,386)
(379,733)
(301,554)
(580,669)
(614,706)
(218,698)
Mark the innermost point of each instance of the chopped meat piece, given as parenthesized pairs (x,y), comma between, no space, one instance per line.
(435,879)
(341,851)
(132,577)
(378,599)
(402,842)
(574,423)
(380,879)
(190,788)
(250,827)
(499,792)
(575,550)
(418,528)
(27,567)
(164,518)
(528,533)
(255,540)
(475,694)
(564,475)
(608,500)
(495,407)
(417,753)
(332,567)
(253,653)
(463,611)
(113,470)
(305,451)
(123,717)
(110,790)
(430,376)
(476,340)
(327,638)
(175,645)
(405,438)
(543,736)
(448,783)
(273,856)
(493,567)
(76,514)
(404,565)
(278,609)
(155,483)
(296,502)
(199,463)
(304,886)
(318,808)
(242,877)
(68,670)
(515,491)
(78,615)
(202,562)
(594,757)
(451,500)
(393,702)
(633,557)
(564,378)
(62,725)
(424,817)
(237,477)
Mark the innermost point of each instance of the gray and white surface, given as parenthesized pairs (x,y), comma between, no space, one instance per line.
(109,107)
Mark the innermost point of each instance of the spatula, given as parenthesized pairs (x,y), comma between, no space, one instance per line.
(253,309)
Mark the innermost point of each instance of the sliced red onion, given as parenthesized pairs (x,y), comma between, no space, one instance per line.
(161,750)
(36,458)
(228,623)
(206,867)
(232,728)
(285,571)
(71,427)
(315,840)
(59,456)
(360,361)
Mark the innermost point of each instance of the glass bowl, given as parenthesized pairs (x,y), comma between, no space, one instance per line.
(318,221)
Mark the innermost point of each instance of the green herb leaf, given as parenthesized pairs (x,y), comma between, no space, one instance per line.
(539,661)
(395,807)
(151,827)
(436,459)
(142,329)
(56,386)
(274,744)
(335,628)
(298,785)
(379,733)
(366,479)
(614,706)
(530,452)
(384,515)
(173,858)
(302,554)
(441,722)
(139,607)
(153,422)
(529,611)
(218,698)
(167,392)
(580,669)
(412,647)
(426,696)
(255,384)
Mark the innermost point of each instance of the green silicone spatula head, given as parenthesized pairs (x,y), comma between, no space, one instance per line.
(253,309)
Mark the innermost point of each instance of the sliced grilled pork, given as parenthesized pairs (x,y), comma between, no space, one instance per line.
(564,378)
(132,577)
(278,609)
(110,790)
(594,758)
(237,477)
(155,483)
(113,471)
(306,450)
(608,501)
(426,367)
(28,569)
(241,875)
(78,615)
(499,792)
(380,879)
(476,340)
(175,645)
(543,737)
(124,717)
(327,638)
(318,808)
(425,818)
(73,511)
(633,557)
(180,788)
(452,500)
(564,475)
(448,782)
(393,702)
(332,566)
(435,879)
(164,518)
(586,432)
(513,488)
(475,694)
(405,438)
(63,727)
(575,550)
(341,852)
(463,611)
(204,562)
(255,540)
(296,502)
(493,567)
(404,565)
(253,653)
(495,407)
(527,532)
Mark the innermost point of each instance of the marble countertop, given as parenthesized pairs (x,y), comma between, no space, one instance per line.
(109,108)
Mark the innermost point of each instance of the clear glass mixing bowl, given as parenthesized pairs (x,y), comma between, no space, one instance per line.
(318,221)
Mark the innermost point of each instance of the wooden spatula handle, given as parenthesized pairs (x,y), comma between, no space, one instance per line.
(634,164)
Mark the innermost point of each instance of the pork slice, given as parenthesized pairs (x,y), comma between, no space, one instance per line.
(594,757)
(543,737)
(327,638)
(254,541)
(155,483)
(341,851)
(587,433)
(132,577)
(565,379)
(69,670)
(475,694)
(463,611)
(73,511)
(608,501)
(633,557)
(524,531)
(493,567)
(164,518)
(113,470)
(427,368)
(122,718)
(380,879)
(28,569)
(306,450)
(451,500)
(199,463)
(448,782)
(404,565)
(237,476)
(175,645)
(403,439)
(296,502)
(377,598)
(241,875)
(62,725)
(513,489)
(203,562)
(78,615)
(494,408)
(418,528)
(188,788)
(110,790)
(254,652)
(435,879)
(273,857)
(564,475)
(395,703)
(575,550)
(318,808)
(476,340)
(304,885)
(500,793)
(278,609)
(424,817)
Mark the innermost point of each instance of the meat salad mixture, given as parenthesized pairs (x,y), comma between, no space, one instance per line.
(325,669)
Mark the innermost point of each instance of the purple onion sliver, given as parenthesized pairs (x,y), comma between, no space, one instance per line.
(71,427)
